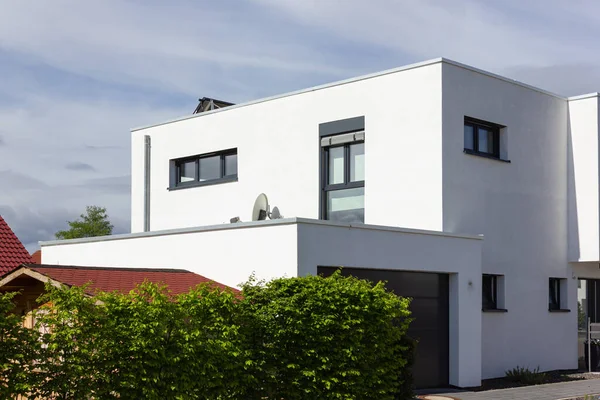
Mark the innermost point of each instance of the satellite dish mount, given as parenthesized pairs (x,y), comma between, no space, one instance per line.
(262,210)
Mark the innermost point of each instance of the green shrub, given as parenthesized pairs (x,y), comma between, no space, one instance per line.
(18,351)
(325,338)
(291,338)
(526,376)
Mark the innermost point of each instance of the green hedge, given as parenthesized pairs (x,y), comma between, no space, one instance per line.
(291,338)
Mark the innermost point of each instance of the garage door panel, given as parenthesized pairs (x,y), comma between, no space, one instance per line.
(430,311)
(426,313)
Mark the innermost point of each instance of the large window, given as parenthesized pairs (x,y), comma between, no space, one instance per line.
(343,177)
(482,138)
(204,169)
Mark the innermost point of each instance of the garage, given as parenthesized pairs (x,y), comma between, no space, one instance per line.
(430,310)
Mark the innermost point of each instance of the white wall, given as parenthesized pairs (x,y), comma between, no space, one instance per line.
(295,247)
(583,178)
(278,154)
(370,247)
(521,209)
(226,254)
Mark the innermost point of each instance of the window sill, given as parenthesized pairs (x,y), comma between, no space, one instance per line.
(562,310)
(205,183)
(494,310)
(484,155)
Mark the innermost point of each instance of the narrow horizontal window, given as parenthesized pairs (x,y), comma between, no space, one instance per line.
(204,169)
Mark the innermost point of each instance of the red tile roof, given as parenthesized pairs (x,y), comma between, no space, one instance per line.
(36,257)
(123,280)
(12,251)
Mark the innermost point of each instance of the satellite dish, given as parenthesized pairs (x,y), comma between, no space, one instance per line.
(261,208)
(275,214)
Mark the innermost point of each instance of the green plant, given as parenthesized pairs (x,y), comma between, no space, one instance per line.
(526,376)
(291,338)
(93,223)
(18,350)
(325,338)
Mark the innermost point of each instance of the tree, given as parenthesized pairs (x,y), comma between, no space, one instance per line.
(93,223)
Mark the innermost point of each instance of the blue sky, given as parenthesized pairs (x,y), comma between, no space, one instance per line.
(75,75)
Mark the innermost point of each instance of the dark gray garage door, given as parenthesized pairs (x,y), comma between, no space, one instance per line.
(430,312)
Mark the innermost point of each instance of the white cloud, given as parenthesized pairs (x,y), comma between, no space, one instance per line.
(77,75)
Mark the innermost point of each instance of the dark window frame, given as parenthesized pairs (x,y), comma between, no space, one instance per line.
(494,128)
(175,167)
(554,294)
(348,184)
(492,303)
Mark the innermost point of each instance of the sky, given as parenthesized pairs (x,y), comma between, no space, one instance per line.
(76,76)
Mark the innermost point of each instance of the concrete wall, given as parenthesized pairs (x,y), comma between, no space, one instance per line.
(278,154)
(583,178)
(227,254)
(381,248)
(521,209)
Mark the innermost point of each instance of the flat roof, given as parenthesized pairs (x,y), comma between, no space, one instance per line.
(256,224)
(364,77)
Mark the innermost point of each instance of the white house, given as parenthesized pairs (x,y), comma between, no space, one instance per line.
(472,193)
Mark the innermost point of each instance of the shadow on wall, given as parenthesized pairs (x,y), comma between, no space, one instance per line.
(573,252)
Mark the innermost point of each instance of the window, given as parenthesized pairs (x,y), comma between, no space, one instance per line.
(554,295)
(482,138)
(204,169)
(343,177)
(489,294)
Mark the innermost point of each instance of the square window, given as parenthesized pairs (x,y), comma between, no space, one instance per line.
(187,171)
(210,168)
(482,138)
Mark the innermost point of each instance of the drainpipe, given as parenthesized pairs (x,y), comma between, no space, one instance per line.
(147,183)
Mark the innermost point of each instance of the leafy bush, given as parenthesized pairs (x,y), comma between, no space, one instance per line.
(293,338)
(325,338)
(526,376)
(18,347)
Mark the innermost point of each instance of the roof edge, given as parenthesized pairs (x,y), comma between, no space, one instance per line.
(300,91)
(360,78)
(94,268)
(255,224)
(583,96)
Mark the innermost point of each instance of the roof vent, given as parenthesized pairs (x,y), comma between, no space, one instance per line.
(208,104)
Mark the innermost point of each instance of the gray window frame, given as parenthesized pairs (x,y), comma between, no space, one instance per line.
(330,129)
(175,170)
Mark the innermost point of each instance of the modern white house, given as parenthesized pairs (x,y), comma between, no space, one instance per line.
(474,194)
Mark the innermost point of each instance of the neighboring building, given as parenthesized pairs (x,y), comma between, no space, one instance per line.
(36,257)
(475,194)
(30,280)
(12,251)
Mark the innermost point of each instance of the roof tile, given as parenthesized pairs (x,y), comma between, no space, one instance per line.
(12,251)
(123,280)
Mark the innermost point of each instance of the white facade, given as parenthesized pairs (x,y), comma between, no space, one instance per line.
(230,253)
(536,206)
